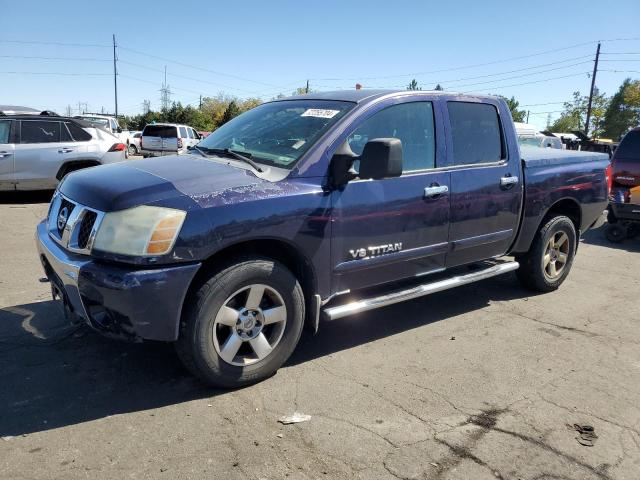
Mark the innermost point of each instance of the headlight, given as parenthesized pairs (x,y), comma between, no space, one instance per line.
(143,231)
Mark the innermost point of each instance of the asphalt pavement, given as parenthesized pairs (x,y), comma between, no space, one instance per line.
(483,382)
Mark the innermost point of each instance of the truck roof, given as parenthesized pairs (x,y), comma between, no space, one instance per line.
(361,96)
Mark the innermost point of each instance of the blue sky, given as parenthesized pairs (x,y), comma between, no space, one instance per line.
(260,48)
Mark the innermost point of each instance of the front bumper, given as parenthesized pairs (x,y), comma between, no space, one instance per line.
(122,302)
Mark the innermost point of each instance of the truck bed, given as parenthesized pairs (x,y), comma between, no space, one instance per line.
(554,175)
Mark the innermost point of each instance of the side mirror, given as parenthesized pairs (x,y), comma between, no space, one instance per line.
(119,130)
(381,158)
(190,147)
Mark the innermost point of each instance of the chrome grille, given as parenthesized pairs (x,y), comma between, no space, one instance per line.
(72,224)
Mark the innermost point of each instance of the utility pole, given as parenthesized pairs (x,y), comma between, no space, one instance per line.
(115,74)
(527,116)
(593,84)
(200,107)
(306,90)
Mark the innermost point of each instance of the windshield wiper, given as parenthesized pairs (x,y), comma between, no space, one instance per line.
(233,154)
(195,147)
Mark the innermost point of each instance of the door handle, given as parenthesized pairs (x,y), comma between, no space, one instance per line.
(435,190)
(65,150)
(508,181)
(5,154)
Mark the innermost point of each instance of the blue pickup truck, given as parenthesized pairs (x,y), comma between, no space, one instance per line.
(312,208)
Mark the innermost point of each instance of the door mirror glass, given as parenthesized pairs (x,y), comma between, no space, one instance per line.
(381,158)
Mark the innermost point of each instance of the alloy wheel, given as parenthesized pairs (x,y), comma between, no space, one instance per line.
(556,255)
(249,325)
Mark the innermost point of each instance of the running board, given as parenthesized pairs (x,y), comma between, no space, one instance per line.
(339,311)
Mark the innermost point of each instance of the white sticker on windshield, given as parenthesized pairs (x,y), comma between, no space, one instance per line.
(298,144)
(320,113)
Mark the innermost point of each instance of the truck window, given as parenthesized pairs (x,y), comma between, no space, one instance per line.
(411,123)
(475,133)
(34,131)
(183,133)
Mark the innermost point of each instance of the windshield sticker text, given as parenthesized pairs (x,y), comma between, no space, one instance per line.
(320,113)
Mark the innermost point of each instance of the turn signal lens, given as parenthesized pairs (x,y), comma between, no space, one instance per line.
(165,232)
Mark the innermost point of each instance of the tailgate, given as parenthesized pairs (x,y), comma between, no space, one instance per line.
(160,138)
(160,144)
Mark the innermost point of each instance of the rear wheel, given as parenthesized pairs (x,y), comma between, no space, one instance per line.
(547,263)
(615,232)
(132,149)
(243,323)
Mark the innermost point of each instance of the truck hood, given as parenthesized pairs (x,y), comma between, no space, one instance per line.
(171,181)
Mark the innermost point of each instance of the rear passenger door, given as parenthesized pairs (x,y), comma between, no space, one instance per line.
(486,188)
(43,148)
(393,228)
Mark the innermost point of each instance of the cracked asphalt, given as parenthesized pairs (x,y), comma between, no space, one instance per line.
(482,382)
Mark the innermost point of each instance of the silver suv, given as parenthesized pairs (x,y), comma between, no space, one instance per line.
(36,151)
(167,139)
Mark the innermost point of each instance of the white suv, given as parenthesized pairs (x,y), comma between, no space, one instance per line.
(167,139)
(36,151)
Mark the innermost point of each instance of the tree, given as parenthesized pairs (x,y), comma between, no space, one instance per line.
(623,111)
(439,87)
(413,85)
(574,114)
(513,104)
(230,112)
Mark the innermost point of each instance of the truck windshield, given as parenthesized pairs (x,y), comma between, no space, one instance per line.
(278,133)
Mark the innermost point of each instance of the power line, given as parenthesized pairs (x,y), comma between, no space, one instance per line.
(77,74)
(536,81)
(72,59)
(60,44)
(196,67)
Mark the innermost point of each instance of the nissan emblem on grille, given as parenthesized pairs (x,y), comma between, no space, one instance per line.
(63,216)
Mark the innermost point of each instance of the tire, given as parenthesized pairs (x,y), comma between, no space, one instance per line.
(633,230)
(615,232)
(545,266)
(223,313)
(132,149)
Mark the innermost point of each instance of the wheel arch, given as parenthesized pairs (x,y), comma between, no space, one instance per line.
(276,249)
(566,206)
(74,165)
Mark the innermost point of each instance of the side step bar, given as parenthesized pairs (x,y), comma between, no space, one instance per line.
(339,311)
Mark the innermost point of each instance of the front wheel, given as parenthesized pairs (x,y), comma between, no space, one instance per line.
(242,324)
(547,263)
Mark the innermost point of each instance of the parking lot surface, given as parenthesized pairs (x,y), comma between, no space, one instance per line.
(486,381)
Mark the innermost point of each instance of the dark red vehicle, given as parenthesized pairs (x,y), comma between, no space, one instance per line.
(624,201)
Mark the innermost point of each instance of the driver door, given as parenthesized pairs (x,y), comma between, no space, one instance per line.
(394,228)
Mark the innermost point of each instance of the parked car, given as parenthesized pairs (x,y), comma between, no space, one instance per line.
(624,204)
(134,144)
(318,206)
(542,141)
(37,151)
(160,139)
(108,123)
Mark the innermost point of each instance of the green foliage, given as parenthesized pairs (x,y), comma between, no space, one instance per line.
(513,104)
(623,111)
(215,111)
(413,85)
(230,112)
(574,114)
(439,87)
